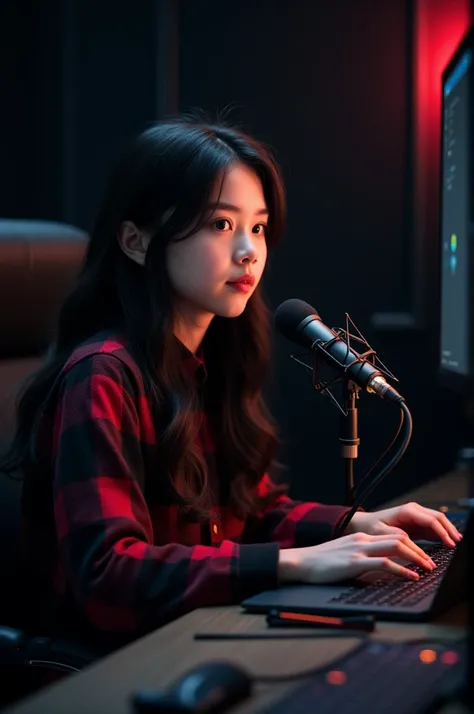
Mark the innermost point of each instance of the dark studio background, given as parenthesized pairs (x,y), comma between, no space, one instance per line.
(330,85)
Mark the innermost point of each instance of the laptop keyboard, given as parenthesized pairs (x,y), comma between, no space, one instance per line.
(402,593)
(378,677)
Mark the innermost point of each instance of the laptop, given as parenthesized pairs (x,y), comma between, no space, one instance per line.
(389,598)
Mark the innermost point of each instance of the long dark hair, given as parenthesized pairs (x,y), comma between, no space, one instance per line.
(172,165)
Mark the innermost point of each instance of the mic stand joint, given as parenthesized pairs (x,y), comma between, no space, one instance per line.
(349,436)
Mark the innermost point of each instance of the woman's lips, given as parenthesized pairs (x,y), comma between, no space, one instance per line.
(243,284)
(240,286)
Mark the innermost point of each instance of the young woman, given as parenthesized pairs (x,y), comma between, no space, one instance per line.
(144,440)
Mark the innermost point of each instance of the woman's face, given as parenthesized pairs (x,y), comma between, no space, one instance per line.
(203,268)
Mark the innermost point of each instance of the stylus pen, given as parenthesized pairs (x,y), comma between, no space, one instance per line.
(275,635)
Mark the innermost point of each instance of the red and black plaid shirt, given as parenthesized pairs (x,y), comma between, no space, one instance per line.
(124,552)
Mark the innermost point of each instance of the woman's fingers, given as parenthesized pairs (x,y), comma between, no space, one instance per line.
(451,529)
(432,523)
(402,547)
(389,566)
(435,522)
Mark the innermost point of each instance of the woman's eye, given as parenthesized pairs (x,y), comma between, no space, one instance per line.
(222,224)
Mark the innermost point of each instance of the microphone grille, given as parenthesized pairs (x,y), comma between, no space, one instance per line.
(290,314)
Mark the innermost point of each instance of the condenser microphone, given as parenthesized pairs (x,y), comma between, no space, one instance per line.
(301,323)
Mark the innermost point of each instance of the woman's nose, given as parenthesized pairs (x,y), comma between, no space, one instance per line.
(247,252)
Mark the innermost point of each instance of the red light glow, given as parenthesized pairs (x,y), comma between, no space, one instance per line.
(439,27)
(336,677)
(449,657)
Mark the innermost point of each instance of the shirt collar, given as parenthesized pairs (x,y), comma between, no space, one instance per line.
(194,364)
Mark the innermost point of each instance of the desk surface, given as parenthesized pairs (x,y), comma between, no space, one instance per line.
(159,658)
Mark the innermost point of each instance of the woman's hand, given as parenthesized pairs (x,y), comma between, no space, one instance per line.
(418,522)
(352,556)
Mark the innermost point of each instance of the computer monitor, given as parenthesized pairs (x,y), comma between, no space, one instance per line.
(456,220)
(457,254)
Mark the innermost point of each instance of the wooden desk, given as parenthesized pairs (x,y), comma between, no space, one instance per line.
(159,658)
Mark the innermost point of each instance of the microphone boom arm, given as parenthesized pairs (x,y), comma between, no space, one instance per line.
(349,437)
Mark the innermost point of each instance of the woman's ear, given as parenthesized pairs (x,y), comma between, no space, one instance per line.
(133,241)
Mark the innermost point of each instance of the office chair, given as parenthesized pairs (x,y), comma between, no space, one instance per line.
(38,262)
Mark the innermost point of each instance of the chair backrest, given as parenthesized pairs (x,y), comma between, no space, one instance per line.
(38,263)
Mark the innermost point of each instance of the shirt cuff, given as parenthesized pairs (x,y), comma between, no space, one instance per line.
(258,568)
(346,510)
(318,525)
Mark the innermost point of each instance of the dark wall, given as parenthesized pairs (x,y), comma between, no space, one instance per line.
(16,83)
(79,78)
(326,85)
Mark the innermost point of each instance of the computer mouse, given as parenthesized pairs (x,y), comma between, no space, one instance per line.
(211,688)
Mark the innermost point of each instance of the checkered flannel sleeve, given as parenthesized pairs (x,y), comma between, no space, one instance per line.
(120,579)
(292,524)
